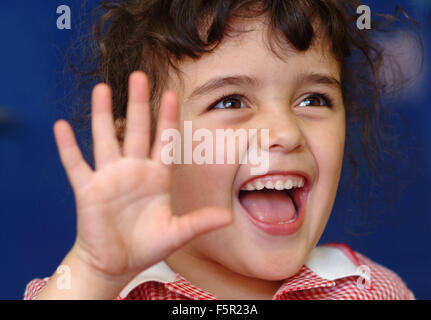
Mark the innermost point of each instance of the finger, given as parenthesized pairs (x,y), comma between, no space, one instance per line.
(193,224)
(167,119)
(77,169)
(106,149)
(138,123)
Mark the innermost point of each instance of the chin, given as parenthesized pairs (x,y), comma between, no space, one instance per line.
(273,267)
(277,273)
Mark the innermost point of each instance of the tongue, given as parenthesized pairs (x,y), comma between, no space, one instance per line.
(270,206)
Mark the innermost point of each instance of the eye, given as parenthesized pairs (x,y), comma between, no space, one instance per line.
(316,100)
(232,101)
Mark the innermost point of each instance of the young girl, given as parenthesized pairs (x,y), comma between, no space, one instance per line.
(148,229)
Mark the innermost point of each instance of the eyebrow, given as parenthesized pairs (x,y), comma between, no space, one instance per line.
(244,80)
(318,78)
(219,82)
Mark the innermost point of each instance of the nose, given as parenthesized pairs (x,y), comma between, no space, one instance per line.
(285,132)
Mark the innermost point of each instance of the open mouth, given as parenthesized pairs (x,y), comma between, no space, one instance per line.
(275,203)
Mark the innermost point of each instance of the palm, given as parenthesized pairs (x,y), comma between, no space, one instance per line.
(119,211)
(125,221)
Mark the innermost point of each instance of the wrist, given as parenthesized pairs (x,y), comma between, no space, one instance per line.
(103,285)
(74,279)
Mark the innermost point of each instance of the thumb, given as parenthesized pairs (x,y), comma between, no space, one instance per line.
(199,222)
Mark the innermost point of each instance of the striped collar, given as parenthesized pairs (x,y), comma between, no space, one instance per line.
(324,265)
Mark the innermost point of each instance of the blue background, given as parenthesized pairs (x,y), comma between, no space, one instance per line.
(37,209)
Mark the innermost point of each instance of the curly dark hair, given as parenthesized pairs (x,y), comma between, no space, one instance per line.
(154,36)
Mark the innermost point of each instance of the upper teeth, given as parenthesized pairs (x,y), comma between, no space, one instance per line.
(277,184)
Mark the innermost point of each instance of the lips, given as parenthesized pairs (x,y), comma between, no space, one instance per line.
(275,203)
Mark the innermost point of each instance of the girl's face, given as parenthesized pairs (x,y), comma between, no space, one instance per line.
(298,98)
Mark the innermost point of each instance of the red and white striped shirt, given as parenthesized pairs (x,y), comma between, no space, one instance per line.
(331,272)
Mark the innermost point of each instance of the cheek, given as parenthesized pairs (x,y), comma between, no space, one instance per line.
(327,147)
(330,154)
(196,186)
(199,185)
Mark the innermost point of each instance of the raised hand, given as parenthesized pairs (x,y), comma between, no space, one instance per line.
(125,220)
